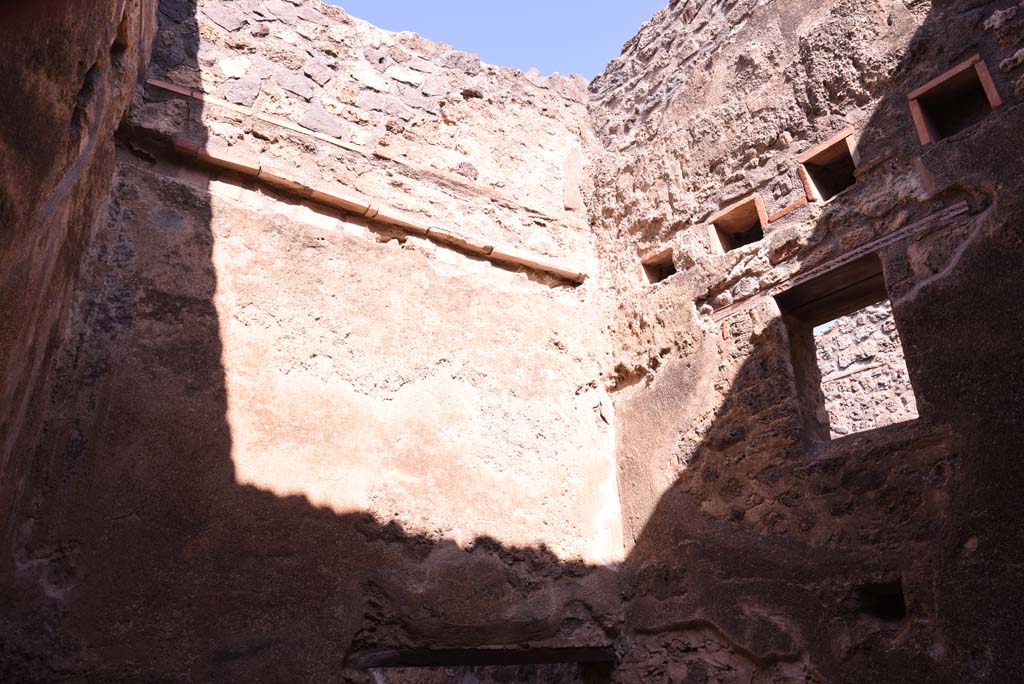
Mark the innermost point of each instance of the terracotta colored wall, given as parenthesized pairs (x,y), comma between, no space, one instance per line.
(283,436)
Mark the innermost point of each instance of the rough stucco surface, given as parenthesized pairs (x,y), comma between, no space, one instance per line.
(270,441)
(244,438)
(269,408)
(863,373)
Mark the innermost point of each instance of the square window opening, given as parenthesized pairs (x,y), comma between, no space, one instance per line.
(847,357)
(658,267)
(830,167)
(738,225)
(954,101)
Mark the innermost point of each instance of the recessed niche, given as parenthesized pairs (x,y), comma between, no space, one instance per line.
(847,358)
(121,39)
(882,600)
(830,167)
(658,267)
(738,225)
(954,101)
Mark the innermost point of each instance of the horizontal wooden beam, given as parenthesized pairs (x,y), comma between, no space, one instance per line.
(425,657)
(823,147)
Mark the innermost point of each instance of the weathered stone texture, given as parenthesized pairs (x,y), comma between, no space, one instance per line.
(254,438)
(361,434)
(412,112)
(389,441)
(751,535)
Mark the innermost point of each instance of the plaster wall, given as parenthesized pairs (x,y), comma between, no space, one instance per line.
(265,406)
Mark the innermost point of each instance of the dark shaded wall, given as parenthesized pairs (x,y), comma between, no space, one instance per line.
(67,73)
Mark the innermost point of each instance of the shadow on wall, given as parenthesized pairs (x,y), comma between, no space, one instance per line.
(142,559)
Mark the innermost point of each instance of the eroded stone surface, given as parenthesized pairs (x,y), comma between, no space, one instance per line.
(751,534)
(261,437)
(340,76)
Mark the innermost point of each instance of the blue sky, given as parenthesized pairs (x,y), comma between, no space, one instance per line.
(567,36)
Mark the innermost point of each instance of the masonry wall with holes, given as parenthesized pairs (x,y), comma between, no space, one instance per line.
(278,439)
(766,472)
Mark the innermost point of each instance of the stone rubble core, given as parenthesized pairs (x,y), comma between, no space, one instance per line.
(335,354)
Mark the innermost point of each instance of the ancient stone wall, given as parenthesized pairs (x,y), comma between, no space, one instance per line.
(403,321)
(761,550)
(271,405)
(332,101)
(360,367)
(863,372)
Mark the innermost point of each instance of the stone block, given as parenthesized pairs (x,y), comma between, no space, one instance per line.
(244,91)
(376,102)
(307,13)
(178,10)
(227,18)
(316,119)
(298,84)
(434,86)
(364,74)
(319,71)
(282,10)
(404,75)
(234,67)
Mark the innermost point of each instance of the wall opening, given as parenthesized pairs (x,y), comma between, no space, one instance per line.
(830,167)
(955,101)
(120,45)
(658,267)
(847,357)
(882,600)
(738,225)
